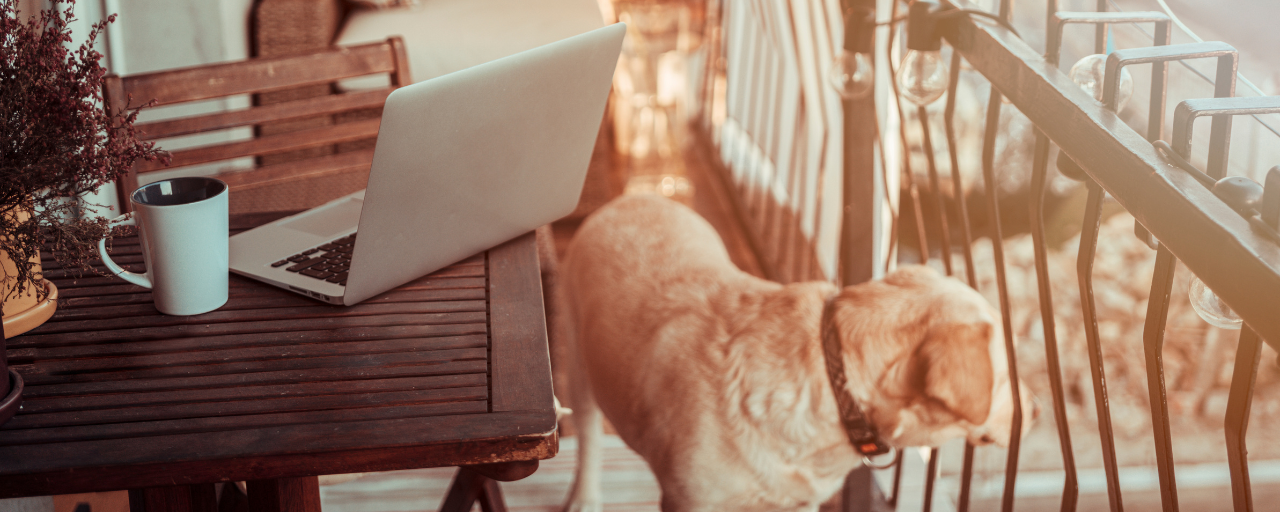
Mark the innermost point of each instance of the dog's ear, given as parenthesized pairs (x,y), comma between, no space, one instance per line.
(954,367)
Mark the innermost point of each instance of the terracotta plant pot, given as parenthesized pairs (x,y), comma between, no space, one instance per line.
(20,314)
(26,311)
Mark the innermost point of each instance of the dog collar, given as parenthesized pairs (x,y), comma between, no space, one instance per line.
(856,425)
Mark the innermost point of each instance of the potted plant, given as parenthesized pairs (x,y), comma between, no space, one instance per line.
(57,143)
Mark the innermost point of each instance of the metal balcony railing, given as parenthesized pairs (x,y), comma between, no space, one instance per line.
(818,181)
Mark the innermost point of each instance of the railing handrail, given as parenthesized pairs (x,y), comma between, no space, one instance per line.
(1212,240)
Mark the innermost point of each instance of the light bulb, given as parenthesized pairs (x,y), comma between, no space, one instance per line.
(1210,307)
(1089,73)
(923,77)
(851,75)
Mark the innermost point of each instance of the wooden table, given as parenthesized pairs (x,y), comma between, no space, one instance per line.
(274,389)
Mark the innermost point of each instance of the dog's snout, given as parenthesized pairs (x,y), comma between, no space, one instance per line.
(1035,408)
(986,439)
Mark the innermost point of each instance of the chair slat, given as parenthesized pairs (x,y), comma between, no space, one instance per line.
(258,75)
(299,170)
(269,144)
(303,146)
(275,112)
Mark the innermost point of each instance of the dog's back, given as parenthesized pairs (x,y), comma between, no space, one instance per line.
(647,233)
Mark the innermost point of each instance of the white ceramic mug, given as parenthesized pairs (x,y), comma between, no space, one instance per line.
(182,223)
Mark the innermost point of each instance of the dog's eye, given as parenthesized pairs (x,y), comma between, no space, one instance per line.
(986,439)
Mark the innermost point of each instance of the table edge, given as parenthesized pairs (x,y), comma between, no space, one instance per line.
(538,444)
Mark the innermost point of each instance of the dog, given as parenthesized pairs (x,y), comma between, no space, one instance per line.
(717,378)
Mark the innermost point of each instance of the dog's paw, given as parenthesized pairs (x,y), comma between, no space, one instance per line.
(583,506)
(561,411)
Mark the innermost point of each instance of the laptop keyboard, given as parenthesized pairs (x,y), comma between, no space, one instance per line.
(327,262)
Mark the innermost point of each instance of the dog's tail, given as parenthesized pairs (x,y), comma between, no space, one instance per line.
(559,326)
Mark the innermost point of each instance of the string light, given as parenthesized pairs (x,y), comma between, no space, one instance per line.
(1089,73)
(852,75)
(922,77)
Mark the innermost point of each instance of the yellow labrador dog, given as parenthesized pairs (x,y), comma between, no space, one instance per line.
(717,378)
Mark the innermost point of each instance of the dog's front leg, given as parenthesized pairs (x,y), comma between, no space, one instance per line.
(584,496)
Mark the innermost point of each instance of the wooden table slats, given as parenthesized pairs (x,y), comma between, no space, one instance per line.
(160,412)
(381,369)
(128,247)
(71,283)
(196,425)
(318,343)
(274,385)
(443,324)
(265,302)
(109,293)
(442,309)
(204,400)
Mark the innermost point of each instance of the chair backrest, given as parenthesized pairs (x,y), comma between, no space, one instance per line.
(306,178)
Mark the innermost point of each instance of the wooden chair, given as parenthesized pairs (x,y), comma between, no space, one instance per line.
(330,122)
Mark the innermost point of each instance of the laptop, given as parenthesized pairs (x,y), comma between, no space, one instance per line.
(463,162)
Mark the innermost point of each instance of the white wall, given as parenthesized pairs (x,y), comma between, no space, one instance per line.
(151,35)
(162,34)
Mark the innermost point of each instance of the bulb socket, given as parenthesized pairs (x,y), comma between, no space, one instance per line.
(1240,193)
(859,30)
(1271,198)
(922,27)
(1070,168)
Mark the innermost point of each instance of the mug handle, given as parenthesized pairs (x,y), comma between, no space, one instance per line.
(138,279)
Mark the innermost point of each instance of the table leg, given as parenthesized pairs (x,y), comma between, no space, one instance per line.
(284,495)
(174,498)
(468,487)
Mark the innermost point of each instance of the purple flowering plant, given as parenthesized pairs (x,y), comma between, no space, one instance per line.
(57,142)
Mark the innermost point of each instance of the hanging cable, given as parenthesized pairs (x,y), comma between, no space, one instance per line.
(1177,21)
(955,12)
(950,13)
(1173,17)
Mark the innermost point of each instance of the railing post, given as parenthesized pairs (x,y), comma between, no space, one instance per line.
(862,204)
(861,220)
(1088,241)
(1248,353)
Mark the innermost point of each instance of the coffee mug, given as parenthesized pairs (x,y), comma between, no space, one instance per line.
(182,223)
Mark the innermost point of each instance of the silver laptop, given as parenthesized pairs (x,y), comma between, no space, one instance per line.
(463,162)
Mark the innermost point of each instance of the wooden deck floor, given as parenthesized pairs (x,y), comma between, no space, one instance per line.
(628,486)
